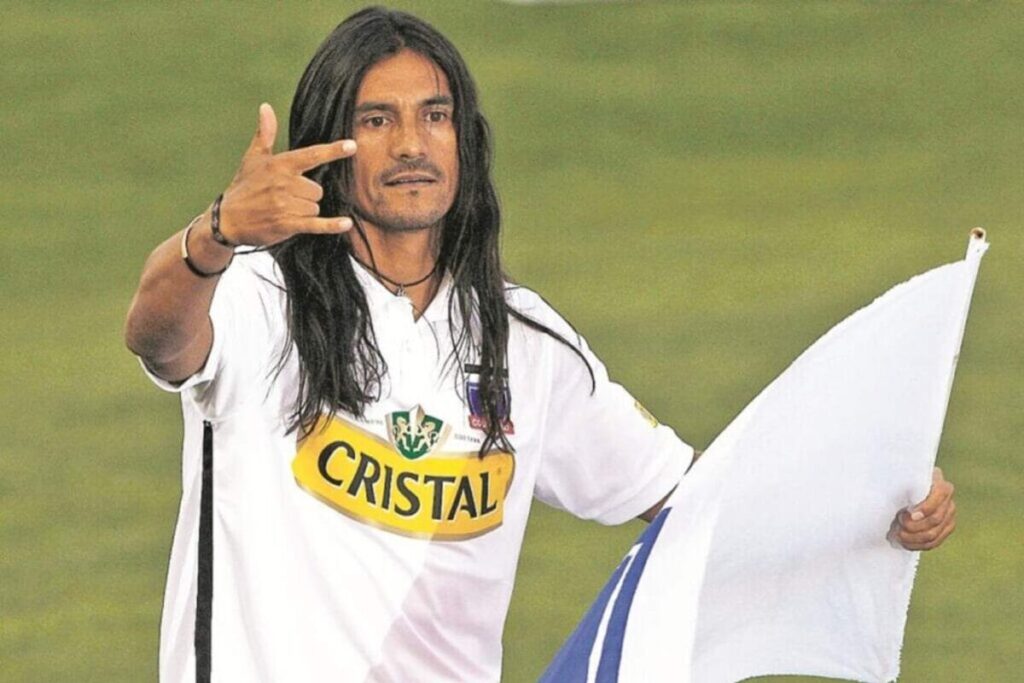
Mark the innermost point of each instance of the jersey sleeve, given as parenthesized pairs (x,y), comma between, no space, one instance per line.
(248,337)
(604,457)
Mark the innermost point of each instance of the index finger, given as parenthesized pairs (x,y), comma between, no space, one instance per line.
(306,158)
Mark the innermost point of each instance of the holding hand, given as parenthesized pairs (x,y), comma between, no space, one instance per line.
(926,525)
(269,199)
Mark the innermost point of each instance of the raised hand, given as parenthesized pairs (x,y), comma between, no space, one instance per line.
(926,525)
(269,199)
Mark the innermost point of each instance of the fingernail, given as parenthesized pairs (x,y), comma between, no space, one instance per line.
(348,145)
(345,223)
(916,515)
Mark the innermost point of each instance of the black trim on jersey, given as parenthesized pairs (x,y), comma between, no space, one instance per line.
(204,590)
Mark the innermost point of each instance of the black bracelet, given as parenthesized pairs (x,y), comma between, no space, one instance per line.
(188,260)
(218,236)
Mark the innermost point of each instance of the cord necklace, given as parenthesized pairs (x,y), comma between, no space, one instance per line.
(400,286)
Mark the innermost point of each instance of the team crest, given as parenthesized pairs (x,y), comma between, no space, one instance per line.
(414,434)
(474,398)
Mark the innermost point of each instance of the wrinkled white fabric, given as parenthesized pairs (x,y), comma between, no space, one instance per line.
(771,556)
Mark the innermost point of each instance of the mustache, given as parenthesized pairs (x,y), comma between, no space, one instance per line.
(421,165)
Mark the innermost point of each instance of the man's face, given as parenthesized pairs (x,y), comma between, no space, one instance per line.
(406,169)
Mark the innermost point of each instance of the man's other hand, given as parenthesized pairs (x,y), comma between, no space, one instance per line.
(926,525)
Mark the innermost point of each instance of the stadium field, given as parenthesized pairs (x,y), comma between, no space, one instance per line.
(702,188)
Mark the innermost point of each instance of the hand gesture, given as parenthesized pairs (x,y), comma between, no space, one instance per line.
(926,525)
(269,199)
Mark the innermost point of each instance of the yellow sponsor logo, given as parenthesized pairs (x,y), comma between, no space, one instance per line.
(446,496)
(653,421)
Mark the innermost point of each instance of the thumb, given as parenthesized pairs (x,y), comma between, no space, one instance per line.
(266,132)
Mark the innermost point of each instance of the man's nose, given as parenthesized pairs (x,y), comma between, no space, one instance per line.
(407,142)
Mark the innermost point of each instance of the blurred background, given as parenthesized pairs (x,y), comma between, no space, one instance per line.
(702,188)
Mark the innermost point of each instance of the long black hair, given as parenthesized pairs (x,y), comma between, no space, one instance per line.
(340,365)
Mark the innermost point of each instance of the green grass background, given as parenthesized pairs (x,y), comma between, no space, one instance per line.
(702,188)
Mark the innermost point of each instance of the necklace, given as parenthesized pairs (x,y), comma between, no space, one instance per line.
(400,286)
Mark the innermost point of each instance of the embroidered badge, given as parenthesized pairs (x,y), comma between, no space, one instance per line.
(645,413)
(413,433)
(475,401)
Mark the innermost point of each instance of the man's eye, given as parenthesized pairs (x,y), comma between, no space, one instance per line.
(437,116)
(375,121)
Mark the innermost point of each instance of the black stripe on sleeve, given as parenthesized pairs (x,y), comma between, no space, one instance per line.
(204,592)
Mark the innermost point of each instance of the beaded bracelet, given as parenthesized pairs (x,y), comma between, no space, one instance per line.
(218,236)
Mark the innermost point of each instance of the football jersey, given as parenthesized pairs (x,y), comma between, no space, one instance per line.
(382,547)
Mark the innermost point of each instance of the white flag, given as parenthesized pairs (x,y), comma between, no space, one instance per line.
(771,556)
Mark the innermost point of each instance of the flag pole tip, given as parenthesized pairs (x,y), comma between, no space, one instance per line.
(978,233)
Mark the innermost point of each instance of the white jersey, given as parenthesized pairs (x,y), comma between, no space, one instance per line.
(382,547)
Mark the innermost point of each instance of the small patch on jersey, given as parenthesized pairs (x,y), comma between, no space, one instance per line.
(414,434)
(429,494)
(475,401)
(645,413)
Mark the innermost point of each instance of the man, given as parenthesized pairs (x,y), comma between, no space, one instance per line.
(369,406)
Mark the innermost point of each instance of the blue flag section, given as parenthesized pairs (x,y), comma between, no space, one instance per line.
(606,619)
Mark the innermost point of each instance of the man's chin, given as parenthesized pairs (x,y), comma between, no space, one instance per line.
(399,227)
(403,222)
